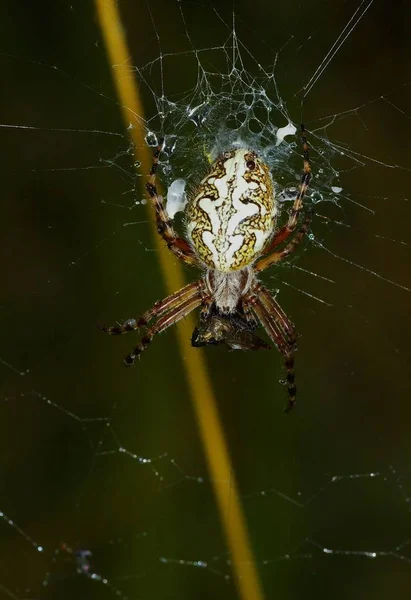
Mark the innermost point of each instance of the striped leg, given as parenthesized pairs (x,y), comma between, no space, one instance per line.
(275,257)
(285,325)
(177,245)
(284,233)
(159,308)
(169,318)
(280,330)
(304,183)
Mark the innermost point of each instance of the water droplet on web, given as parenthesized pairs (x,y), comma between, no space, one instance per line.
(176,198)
(131,322)
(151,139)
(289,129)
(316,197)
(198,115)
(288,194)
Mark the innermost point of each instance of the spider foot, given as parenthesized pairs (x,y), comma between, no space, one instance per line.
(129,360)
(291,387)
(116,330)
(119,329)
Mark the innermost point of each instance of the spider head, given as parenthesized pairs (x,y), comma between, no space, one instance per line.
(231,215)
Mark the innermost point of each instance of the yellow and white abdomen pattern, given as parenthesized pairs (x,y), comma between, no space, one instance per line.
(231,216)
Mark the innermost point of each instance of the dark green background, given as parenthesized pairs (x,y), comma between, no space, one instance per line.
(69,263)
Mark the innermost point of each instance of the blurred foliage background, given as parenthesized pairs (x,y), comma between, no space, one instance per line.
(77,251)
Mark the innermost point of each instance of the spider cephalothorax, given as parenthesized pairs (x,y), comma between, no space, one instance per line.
(232,236)
(234,329)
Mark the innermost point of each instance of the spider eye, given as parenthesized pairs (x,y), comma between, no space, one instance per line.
(250,165)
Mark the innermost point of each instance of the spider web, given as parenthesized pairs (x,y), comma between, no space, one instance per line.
(105,491)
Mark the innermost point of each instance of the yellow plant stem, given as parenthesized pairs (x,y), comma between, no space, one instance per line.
(219,464)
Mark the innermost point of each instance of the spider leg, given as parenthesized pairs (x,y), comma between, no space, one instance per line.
(159,308)
(304,183)
(275,257)
(272,306)
(169,318)
(284,232)
(280,329)
(177,245)
(249,317)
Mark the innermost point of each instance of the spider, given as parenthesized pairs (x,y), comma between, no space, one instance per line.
(232,236)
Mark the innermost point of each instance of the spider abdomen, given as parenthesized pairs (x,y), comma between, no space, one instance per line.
(231,216)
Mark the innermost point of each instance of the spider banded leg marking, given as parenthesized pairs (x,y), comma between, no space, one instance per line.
(177,245)
(249,316)
(268,300)
(168,319)
(205,308)
(304,183)
(284,232)
(281,331)
(275,257)
(159,308)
